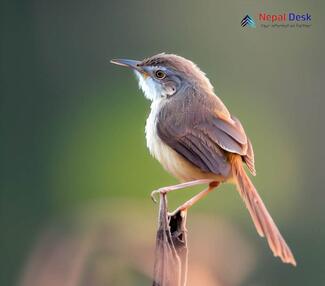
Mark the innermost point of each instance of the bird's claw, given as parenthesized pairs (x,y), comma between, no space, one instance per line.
(152,195)
(155,192)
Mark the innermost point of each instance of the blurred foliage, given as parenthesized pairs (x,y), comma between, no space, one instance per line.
(72,125)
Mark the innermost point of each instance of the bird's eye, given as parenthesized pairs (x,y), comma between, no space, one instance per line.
(160,74)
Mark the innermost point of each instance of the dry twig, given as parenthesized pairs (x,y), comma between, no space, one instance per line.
(170,268)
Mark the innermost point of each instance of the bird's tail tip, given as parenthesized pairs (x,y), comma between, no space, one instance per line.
(262,220)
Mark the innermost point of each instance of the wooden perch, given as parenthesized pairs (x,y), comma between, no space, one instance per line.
(170,268)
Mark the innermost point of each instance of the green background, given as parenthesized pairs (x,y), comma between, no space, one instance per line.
(72,125)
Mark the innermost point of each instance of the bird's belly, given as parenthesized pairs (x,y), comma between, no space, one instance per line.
(172,162)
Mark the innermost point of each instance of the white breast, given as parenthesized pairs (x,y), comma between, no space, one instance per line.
(158,149)
(154,143)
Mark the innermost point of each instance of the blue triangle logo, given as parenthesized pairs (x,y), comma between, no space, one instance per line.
(248,21)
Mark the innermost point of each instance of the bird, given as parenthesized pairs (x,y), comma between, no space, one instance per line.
(197,140)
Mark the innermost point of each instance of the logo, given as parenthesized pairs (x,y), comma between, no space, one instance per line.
(248,21)
(278,20)
(284,17)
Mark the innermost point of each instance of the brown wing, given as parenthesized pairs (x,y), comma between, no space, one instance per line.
(196,147)
(203,132)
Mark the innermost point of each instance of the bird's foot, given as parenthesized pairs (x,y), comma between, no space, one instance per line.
(166,190)
(161,191)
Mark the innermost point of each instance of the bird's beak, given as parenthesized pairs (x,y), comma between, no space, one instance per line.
(132,64)
(126,63)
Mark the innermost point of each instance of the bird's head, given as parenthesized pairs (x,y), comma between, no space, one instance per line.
(165,75)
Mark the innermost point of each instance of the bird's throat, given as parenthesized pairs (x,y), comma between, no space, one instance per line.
(150,88)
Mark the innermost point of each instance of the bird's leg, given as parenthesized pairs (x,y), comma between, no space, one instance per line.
(185,206)
(168,189)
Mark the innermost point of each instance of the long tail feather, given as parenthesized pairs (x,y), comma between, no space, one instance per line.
(263,221)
